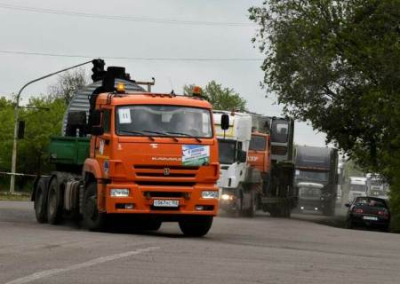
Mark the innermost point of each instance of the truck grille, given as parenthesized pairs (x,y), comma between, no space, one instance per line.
(165,175)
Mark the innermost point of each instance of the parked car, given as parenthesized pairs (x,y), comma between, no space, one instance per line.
(369,212)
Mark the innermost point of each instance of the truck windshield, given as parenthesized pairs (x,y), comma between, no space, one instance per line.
(227,150)
(161,120)
(280,131)
(311,175)
(257,143)
(309,192)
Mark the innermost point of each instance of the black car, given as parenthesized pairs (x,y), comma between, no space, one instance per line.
(369,212)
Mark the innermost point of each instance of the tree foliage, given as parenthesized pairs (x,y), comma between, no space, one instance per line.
(68,83)
(42,118)
(337,64)
(221,98)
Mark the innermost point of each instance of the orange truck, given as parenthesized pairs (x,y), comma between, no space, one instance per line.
(147,156)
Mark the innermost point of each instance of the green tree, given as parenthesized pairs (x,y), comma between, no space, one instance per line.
(68,83)
(221,98)
(6,136)
(43,117)
(337,64)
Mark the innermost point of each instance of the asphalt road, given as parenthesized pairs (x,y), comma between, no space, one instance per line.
(258,250)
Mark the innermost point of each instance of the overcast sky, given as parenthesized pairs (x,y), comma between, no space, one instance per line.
(144,33)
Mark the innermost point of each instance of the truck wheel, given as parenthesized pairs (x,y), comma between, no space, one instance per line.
(40,203)
(54,202)
(92,218)
(253,206)
(274,212)
(286,211)
(195,226)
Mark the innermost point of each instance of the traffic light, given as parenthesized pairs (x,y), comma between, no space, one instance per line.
(98,70)
(21,130)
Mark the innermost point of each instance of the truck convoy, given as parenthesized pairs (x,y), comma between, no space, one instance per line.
(316,178)
(257,167)
(150,156)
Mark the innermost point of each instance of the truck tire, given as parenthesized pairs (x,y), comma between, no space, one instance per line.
(195,226)
(92,218)
(274,212)
(251,211)
(286,211)
(54,202)
(40,203)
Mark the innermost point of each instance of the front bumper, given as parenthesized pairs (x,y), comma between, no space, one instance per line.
(141,200)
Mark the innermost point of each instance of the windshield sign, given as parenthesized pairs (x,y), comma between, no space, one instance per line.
(160,120)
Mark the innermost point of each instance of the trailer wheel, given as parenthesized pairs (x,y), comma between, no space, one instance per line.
(195,226)
(54,202)
(92,218)
(40,203)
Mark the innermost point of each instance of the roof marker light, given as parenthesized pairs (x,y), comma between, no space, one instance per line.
(120,88)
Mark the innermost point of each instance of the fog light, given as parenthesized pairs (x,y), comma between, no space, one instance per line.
(124,206)
(302,208)
(199,207)
(316,208)
(119,192)
(208,194)
(129,206)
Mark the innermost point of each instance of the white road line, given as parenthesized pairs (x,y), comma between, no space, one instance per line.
(46,273)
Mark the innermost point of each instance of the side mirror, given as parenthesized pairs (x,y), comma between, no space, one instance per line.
(242,156)
(97,130)
(95,117)
(224,121)
(347,205)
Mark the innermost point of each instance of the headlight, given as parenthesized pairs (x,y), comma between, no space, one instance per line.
(226,197)
(119,192)
(209,194)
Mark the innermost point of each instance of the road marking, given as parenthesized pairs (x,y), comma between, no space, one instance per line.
(46,273)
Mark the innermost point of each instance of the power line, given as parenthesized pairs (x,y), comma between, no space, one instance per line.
(123,18)
(133,58)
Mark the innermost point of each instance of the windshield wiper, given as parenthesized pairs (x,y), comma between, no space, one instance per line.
(138,133)
(162,134)
(187,135)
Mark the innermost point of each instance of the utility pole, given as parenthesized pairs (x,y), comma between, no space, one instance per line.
(16,117)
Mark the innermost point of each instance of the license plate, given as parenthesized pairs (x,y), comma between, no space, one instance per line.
(166,203)
(370,218)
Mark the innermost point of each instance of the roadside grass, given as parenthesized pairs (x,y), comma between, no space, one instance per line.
(19,196)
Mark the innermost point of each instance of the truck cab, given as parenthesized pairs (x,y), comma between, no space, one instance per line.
(260,152)
(317,166)
(376,186)
(357,187)
(233,150)
(150,156)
